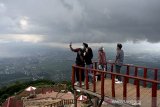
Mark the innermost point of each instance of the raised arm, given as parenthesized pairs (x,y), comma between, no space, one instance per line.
(74,50)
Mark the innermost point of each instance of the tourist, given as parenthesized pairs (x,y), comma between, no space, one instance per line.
(119,62)
(88,55)
(102,63)
(79,62)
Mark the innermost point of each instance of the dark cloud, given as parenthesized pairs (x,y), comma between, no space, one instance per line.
(83,20)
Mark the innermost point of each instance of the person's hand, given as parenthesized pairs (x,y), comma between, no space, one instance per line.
(70,44)
(99,67)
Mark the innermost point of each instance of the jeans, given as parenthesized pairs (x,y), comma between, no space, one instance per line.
(118,69)
(82,73)
(90,74)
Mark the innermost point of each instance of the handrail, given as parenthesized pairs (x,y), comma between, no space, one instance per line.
(145,71)
(126,77)
(123,75)
(130,65)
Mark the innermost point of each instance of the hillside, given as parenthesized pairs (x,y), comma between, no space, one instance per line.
(18,87)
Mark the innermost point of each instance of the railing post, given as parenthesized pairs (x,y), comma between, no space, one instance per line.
(80,77)
(135,74)
(113,85)
(102,85)
(87,85)
(111,69)
(125,89)
(95,65)
(73,76)
(127,73)
(156,74)
(154,95)
(137,90)
(145,76)
(94,81)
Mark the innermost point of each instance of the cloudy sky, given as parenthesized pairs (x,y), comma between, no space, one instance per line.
(92,21)
(80,20)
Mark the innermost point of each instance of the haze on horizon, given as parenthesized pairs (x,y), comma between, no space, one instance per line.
(55,23)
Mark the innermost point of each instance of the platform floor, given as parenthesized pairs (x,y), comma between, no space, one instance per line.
(145,93)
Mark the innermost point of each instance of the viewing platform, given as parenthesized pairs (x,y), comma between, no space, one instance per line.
(140,85)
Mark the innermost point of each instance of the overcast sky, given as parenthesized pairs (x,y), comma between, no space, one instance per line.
(95,21)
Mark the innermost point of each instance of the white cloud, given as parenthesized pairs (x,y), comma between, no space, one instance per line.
(24,23)
(2,8)
(21,38)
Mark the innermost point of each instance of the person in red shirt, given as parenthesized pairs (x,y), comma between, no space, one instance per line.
(102,62)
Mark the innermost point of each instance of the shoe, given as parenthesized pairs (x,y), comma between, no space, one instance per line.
(82,83)
(76,83)
(78,90)
(116,80)
(119,82)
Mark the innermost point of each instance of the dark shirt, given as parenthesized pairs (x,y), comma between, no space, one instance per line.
(88,56)
(80,56)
